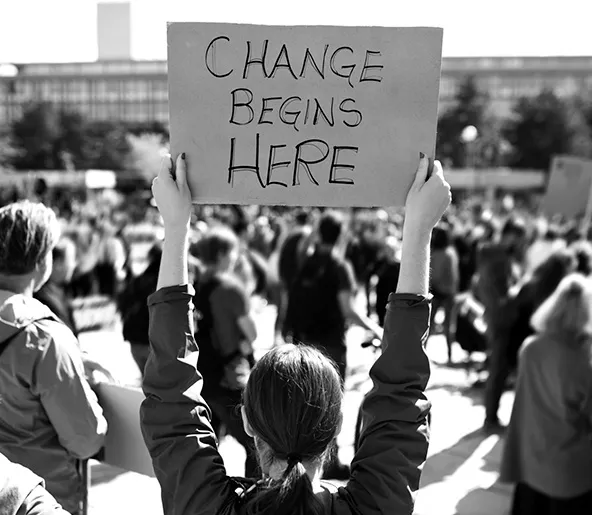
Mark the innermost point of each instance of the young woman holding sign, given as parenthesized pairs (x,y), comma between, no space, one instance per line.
(292,402)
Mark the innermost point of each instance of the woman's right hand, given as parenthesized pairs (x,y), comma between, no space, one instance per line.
(428,198)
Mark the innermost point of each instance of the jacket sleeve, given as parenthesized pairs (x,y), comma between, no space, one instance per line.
(70,404)
(394,439)
(40,502)
(175,419)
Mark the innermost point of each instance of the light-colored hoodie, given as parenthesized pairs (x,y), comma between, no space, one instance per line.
(23,493)
(49,416)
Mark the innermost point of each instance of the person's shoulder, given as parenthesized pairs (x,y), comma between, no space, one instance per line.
(229,283)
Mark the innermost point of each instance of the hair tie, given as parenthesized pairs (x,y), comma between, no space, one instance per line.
(294,459)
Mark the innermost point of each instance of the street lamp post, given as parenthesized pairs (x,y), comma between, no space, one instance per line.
(469,136)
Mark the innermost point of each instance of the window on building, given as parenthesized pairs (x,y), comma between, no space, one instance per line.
(160,90)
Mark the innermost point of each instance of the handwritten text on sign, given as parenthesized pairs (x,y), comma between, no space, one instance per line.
(332,116)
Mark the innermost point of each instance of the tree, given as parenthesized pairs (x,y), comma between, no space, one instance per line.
(107,147)
(145,155)
(35,136)
(48,137)
(541,127)
(7,151)
(470,109)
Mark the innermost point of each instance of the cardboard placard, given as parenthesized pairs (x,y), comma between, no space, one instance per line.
(302,115)
(570,187)
(124,445)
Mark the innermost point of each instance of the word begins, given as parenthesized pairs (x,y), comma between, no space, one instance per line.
(340,62)
(306,153)
(290,110)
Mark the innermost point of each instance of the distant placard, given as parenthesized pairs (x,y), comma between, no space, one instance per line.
(569,188)
(307,115)
(124,445)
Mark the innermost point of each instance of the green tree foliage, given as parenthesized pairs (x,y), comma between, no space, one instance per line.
(48,137)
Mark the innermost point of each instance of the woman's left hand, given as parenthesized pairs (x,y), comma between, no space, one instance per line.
(171,193)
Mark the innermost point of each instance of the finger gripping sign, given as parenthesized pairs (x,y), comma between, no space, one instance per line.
(307,115)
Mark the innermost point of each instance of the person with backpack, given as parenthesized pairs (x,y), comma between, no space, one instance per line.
(226,332)
(50,418)
(292,404)
(321,300)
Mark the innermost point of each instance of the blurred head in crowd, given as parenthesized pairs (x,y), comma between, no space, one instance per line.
(441,237)
(28,234)
(514,236)
(64,261)
(302,218)
(567,314)
(331,228)
(219,249)
(292,409)
(552,271)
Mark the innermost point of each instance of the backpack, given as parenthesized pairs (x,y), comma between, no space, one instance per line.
(229,372)
(313,310)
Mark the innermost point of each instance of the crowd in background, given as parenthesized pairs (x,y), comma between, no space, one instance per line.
(492,267)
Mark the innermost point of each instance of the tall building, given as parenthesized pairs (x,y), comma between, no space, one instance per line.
(118,88)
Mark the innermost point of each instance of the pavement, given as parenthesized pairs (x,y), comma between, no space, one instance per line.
(459,477)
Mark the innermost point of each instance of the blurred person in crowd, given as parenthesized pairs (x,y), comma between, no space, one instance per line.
(132,304)
(388,276)
(110,268)
(537,288)
(444,281)
(226,332)
(542,247)
(292,405)
(49,416)
(250,266)
(23,493)
(54,293)
(290,257)
(84,282)
(363,250)
(583,253)
(321,302)
(499,268)
(548,450)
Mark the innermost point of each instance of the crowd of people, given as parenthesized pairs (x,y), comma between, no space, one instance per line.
(502,280)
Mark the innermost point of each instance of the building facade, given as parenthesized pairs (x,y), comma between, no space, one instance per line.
(137,91)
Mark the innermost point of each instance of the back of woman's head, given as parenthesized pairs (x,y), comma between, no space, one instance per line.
(552,271)
(292,403)
(567,313)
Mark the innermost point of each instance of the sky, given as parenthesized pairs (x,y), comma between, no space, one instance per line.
(65,30)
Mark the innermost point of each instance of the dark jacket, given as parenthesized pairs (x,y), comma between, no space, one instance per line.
(54,296)
(386,470)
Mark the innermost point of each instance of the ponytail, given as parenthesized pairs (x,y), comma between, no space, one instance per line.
(290,495)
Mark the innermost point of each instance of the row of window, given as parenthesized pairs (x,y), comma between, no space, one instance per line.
(515,87)
(132,112)
(81,90)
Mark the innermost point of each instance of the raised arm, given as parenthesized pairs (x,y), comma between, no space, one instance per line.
(175,418)
(394,438)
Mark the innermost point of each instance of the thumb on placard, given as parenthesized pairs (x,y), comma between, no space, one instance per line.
(422,172)
(181,169)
